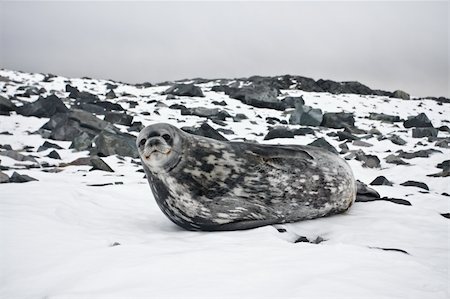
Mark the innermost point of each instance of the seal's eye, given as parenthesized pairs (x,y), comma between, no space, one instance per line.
(142,142)
(166,137)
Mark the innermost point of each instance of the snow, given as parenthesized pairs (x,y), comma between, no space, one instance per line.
(57,234)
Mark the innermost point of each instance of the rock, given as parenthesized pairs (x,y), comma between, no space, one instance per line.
(424,132)
(20,178)
(239,117)
(397,140)
(205,112)
(444,165)
(136,126)
(361,143)
(108,106)
(443,174)
(306,116)
(293,102)
(444,129)
(346,136)
(225,131)
(4,178)
(303,131)
(279,132)
(381,181)
(119,118)
(83,96)
(18,156)
(6,106)
(221,103)
(338,120)
(6,147)
(322,143)
(107,144)
(370,161)
(54,155)
(400,94)
(47,145)
(260,96)
(384,117)
(92,108)
(82,142)
(99,164)
(365,193)
(176,107)
(419,121)
(393,200)
(446,215)
(205,130)
(187,90)
(111,94)
(418,154)
(442,143)
(43,107)
(393,159)
(415,184)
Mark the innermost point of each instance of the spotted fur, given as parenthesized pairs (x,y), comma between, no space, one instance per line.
(205,184)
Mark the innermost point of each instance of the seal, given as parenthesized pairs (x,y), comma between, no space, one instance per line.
(205,184)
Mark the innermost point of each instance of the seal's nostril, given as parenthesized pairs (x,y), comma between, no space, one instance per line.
(154,141)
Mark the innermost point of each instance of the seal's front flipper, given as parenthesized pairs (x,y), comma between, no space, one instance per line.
(239,225)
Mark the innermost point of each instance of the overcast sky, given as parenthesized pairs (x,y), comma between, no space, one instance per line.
(401,45)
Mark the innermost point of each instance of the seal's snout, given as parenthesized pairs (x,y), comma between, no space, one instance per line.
(154,142)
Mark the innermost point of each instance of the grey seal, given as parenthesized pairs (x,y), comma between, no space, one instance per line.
(205,184)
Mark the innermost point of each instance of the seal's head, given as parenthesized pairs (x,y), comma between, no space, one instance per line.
(160,147)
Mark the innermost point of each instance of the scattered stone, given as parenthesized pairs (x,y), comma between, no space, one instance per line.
(136,126)
(206,112)
(293,102)
(301,239)
(397,140)
(393,159)
(205,130)
(444,165)
(111,94)
(221,103)
(305,115)
(82,142)
(54,155)
(303,131)
(338,120)
(446,215)
(107,144)
(400,94)
(322,143)
(362,143)
(99,164)
(418,154)
(279,132)
(415,184)
(115,244)
(239,117)
(20,178)
(119,118)
(384,117)
(17,156)
(104,184)
(365,193)
(442,143)
(443,174)
(370,161)
(256,95)
(424,132)
(186,90)
(419,121)
(346,136)
(381,181)
(225,131)
(6,106)
(47,145)
(6,147)
(4,178)
(390,249)
(43,107)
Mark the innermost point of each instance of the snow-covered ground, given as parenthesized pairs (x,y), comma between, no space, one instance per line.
(61,238)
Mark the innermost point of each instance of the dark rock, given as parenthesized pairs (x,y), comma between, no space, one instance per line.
(111,86)
(82,96)
(391,249)
(338,120)
(444,165)
(442,143)
(400,94)
(446,215)
(143,85)
(239,117)
(419,121)
(393,159)
(221,103)
(107,144)
(47,145)
(54,155)
(272,120)
(111,94)
(424,132)
(384,117)
(99,164)
(322,143)
(108,106)
(397,140)
(362,143)
(204,112)
(443,174)
(444,129)
(303,131)
(260,96)
(4,178)
(6,106)
(306,116)
(418,154)
(92,108)
(20,178)
(301,239)
(43,107)
(136,126)
(365,193)
(415,184)
(187,90)
(225,131)
(370,161)
(393,200)
(279,133)
(17,156)
(177,107)
(380,181)
(6,147)
(82,142)
(205,130)
(346,136)
(293,102)
(119,118)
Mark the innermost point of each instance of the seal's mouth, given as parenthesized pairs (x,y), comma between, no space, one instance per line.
(163,150)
